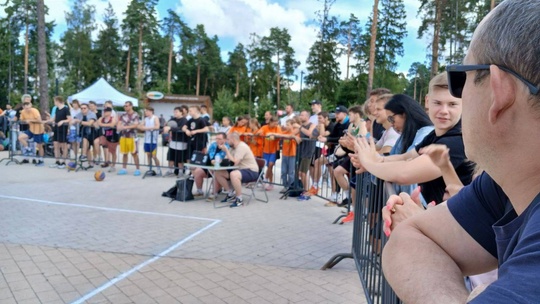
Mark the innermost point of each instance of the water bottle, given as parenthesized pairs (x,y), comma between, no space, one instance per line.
(217,161)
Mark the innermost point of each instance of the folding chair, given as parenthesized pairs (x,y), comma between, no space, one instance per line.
(260,181)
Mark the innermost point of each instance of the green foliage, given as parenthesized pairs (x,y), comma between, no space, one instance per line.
(226,105)
(108,50)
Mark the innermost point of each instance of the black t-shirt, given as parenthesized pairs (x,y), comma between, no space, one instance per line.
(177,133)
(434,189)
(337,132)
(377,130)
(61,114)
(197,124)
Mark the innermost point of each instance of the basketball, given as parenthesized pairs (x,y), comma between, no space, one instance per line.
(172,124)
(99,176)
(72,166)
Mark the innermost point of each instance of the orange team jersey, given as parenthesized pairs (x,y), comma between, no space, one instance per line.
(289,145)
(256,145)
(240,130)
(270,145)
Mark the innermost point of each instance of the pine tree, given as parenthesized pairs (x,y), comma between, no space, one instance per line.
(107,48)
(77,59)
(277,44)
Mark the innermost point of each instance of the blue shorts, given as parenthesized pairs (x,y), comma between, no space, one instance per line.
(150,148)
(248,176)
(269,158)
(38,138)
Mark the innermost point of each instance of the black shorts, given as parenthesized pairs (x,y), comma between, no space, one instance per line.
(177,156)
(316,155)
(60,133)
(344,162)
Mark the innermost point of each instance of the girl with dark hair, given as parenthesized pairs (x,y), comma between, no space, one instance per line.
(409,119)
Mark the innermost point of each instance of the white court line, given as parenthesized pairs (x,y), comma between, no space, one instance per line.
(143,264)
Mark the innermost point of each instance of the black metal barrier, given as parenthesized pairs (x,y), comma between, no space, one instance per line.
(368,239)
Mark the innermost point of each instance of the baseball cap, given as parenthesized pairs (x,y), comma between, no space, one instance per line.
(342,109)
(315,101)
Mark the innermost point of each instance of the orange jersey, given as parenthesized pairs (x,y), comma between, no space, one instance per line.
(270,145)
(289,145)
(256,145)
(241,131)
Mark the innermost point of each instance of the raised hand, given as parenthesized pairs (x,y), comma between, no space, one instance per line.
(400,208)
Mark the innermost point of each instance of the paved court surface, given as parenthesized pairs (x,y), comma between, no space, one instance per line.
(65,238)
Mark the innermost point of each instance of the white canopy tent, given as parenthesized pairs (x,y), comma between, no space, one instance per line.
(101,91)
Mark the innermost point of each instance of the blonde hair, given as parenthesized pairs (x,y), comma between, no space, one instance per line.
(440,81)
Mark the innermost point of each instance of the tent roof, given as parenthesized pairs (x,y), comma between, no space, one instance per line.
(101,91)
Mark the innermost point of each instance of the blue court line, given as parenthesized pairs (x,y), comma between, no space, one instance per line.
(143,264)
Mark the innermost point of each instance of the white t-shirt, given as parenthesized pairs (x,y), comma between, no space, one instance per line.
(283,120)
(388,138)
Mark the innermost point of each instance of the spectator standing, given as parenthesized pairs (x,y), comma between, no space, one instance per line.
(196,129)
(290,136)
(177,154)
(289,114)
(306,149)
(127,126)
(270,147)
(150,126)
(86,119)
(108,124)
(62,119)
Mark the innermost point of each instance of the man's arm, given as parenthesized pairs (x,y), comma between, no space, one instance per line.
(427,256)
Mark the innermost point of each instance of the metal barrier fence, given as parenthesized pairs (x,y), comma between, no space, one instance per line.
(368,239)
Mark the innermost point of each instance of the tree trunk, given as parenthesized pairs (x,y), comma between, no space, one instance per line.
(348,51)
(278,81)
(127,68)
(237,92)
(414,93)
(372,47)
(169,70)
(492,4)
(26,57)
(139,64)
(198,77)
(205,85)
(42,58)
(436,37)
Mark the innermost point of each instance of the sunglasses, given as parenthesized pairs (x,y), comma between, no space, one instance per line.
(391,118)
(457,76)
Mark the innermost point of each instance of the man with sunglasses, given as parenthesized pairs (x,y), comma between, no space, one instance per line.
(495,221)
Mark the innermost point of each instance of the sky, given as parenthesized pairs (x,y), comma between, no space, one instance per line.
(233,20)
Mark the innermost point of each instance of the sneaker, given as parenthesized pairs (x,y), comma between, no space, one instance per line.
(330,204)
(169,173)
(61,166)
(137,172)
(83,158)
(198,193)
(55,165)
(269,187)
(89,167)
(283,190)
(25,161)
(237,203)
(40,163)
(104,165)
(98,160)
(303,197)
(159,173)
(34,161)
(27,152)
(211,198)
(334,197)
(111,169)
(122,172)
(312,191)
(228,199)
(348,218)
(344,203)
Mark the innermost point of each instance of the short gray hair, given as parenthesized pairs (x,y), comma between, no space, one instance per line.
(26,96)
(509,37)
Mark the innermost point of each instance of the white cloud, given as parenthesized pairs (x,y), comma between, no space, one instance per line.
(236,19)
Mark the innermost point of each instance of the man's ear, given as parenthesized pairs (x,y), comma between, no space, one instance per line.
(503,88)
